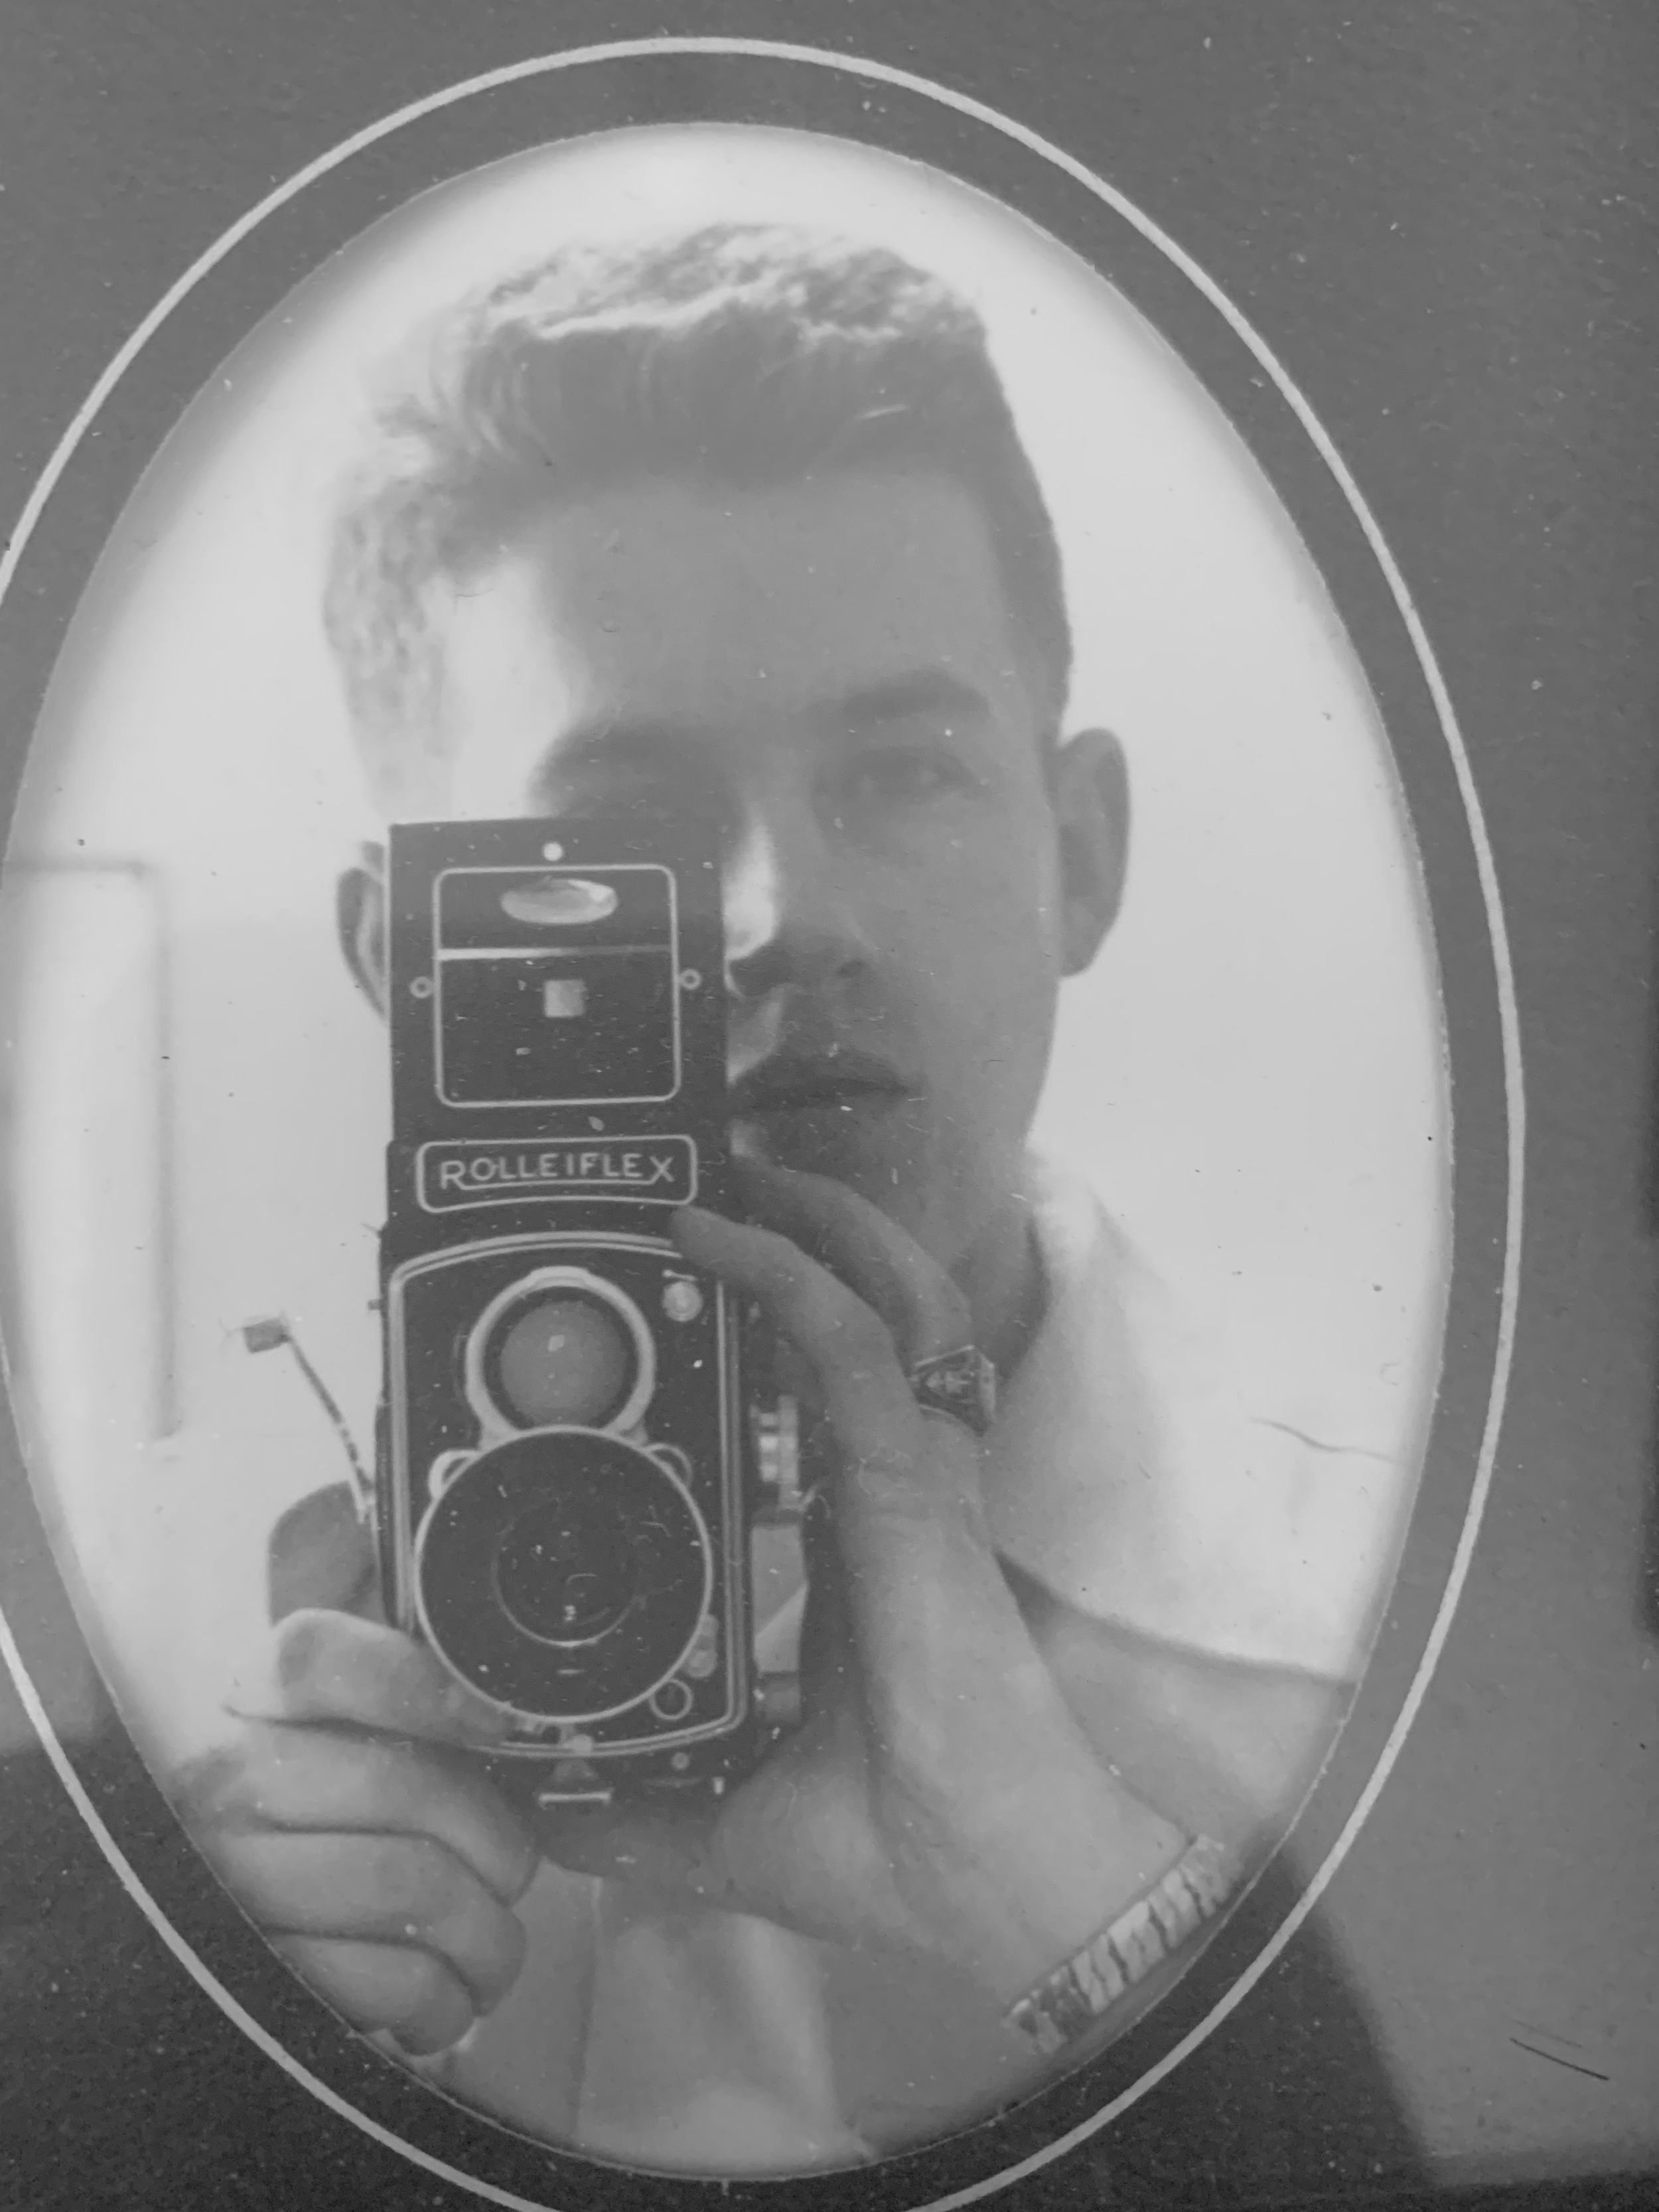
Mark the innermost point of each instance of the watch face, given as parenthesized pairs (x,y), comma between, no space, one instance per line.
(947,499)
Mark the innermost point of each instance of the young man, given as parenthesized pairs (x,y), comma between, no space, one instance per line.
(747,510)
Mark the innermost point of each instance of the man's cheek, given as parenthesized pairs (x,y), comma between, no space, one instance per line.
(1004,1010)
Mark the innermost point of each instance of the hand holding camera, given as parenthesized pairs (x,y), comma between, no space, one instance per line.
(939,1796)
(351,1815)
(570,1469)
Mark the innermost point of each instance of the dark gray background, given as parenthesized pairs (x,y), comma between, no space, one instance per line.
(1442,219)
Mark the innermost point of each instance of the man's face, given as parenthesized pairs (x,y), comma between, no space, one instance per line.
(835,659)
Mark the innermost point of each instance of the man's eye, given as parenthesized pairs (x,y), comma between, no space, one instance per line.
(899,772)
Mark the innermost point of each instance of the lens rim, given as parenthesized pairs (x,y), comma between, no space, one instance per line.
(436,1536)
(495,1418)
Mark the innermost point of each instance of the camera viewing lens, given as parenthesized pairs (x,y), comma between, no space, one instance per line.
(561,1361)
(563,1569)
(563,1573)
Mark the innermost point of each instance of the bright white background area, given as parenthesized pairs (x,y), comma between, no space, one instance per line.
(1251,1075)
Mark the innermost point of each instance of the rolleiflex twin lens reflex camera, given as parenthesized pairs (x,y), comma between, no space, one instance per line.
(570,1469)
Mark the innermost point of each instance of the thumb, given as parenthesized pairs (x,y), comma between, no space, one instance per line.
(321,1555)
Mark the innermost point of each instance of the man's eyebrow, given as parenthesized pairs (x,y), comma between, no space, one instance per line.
(898,698)
(605,745)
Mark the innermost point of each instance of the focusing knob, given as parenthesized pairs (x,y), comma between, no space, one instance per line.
(777,1461)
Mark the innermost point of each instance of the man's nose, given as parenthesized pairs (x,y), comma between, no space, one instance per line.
(792,921)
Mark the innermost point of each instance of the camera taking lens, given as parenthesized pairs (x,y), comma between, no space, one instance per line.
(564,1574)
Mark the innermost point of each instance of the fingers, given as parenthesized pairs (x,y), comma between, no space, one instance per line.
(393,1890)
(348,1824)
(895,1459)
(329,1666)
(321,1554)
(384,1987)
(924,1309)
(847,1349)
(915,1594)
(319,1779)
(921,1578)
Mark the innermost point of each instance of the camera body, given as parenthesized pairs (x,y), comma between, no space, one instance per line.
(569,1470)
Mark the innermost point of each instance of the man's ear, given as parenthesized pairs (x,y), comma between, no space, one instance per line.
(360,918)
(1090,784)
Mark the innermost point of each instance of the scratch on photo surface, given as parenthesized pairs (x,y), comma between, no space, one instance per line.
(1555,2057)
(1318,1444)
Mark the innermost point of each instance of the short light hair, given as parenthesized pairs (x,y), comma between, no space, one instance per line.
(735,356)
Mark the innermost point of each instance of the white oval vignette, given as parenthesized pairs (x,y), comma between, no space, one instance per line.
(1131,714)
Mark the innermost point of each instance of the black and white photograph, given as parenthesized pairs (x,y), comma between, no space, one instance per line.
(1077,1057)
(763,1175)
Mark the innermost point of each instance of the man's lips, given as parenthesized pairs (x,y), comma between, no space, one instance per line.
(794,1083)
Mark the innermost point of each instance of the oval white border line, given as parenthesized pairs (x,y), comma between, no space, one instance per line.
(1485,866)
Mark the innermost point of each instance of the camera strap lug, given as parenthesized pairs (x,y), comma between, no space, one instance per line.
(777,1701)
